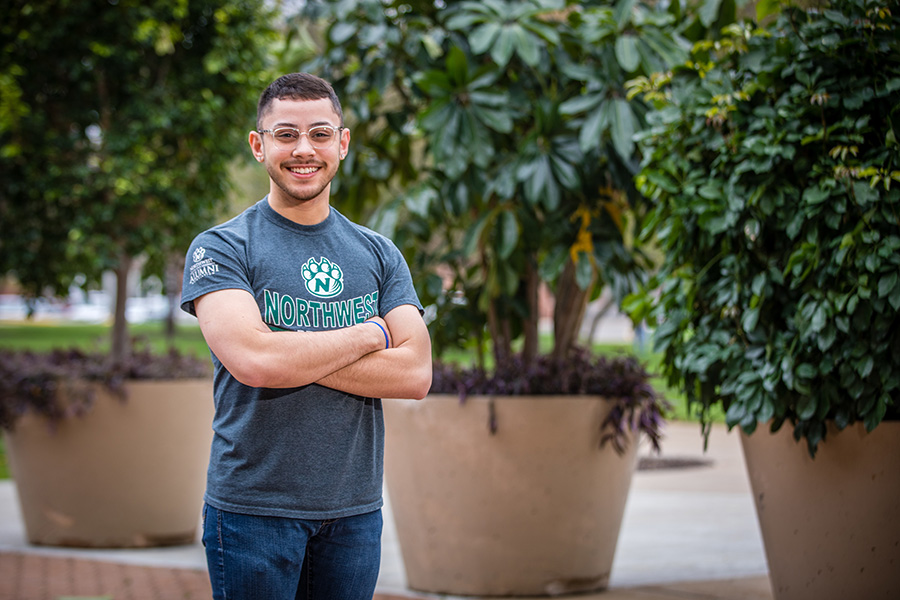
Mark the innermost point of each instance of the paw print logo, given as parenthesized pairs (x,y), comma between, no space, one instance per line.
(198,254)
(323,278)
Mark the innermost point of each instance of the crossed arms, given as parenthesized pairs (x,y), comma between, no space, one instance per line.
(353,360)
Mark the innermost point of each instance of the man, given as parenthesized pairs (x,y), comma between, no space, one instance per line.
(311,319)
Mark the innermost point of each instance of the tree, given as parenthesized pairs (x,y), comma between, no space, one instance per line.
(498,137)
(117,126)
(775,167)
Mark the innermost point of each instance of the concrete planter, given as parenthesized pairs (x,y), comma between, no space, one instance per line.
(126,474)
(534,509)
(830,526)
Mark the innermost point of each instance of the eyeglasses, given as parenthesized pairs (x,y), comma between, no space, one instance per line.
(320,136)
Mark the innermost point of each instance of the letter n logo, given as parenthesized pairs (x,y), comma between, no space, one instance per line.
(324,278)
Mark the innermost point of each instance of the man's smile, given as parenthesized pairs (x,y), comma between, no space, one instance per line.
(304,170)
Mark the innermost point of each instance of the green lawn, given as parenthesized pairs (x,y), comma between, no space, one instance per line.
(39,336)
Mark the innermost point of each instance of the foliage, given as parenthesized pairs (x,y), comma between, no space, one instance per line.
(774,160)
(117,126)
(622,380)
(58,384)
(497,138)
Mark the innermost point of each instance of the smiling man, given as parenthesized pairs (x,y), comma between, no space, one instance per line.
(311,320)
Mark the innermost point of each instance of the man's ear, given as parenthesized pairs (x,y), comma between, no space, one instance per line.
(345,143)
(256,146)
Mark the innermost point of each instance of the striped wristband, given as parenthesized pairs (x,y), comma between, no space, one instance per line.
(387,343)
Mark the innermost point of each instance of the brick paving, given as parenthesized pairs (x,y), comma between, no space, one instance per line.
(42,577)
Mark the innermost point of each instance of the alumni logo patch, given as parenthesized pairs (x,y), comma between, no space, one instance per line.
(202,267)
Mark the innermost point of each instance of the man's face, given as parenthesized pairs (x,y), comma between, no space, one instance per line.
(300,172)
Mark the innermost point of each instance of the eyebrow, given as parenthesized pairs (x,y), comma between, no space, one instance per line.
(295,126)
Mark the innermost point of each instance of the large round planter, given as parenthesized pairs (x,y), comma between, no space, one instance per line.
(830,525)
(129,473)
(533,509)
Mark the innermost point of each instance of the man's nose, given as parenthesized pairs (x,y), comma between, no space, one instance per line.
(304,147)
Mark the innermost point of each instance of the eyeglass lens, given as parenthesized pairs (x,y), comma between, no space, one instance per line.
(319,137)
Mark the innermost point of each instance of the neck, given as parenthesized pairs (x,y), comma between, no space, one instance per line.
(302,212)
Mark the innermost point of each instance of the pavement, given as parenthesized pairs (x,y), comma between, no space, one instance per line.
(689,532)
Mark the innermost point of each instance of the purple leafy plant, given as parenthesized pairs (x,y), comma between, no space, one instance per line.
(638,407)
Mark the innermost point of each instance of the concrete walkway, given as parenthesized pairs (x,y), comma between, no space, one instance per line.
(689,532)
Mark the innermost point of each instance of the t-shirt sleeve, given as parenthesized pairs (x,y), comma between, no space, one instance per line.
(213,263)
(397,288)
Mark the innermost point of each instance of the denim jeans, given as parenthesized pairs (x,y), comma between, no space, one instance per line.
(273,558)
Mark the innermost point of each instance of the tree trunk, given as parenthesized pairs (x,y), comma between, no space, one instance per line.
(568,313)
(532,281)
(120,346)
(174,268)
(498,327)
(595,323)
(497,322)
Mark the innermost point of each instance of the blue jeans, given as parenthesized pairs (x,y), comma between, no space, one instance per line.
(273,558)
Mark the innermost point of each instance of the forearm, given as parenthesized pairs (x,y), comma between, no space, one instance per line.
(294,359)
(401,372)
(258,357)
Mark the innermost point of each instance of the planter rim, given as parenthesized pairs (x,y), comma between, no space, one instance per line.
(101,387)
(527,396)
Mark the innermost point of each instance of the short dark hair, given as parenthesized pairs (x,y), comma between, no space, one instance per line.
(297,86)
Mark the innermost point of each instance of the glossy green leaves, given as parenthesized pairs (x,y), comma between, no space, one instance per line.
(502,28)
(504,121)
(770,154)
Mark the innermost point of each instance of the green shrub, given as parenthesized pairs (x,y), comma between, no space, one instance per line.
(774,160)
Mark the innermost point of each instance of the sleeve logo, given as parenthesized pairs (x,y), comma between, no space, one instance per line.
(324,279)
(202,268)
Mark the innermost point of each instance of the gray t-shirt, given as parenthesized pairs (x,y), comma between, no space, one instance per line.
(309,452)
